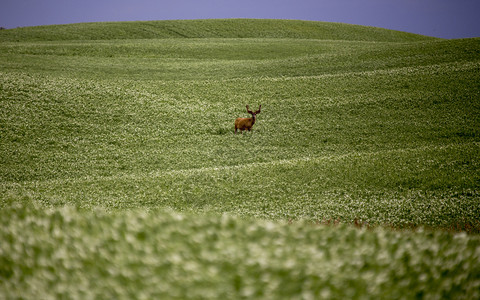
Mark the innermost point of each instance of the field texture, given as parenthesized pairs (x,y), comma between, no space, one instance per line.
(121,177)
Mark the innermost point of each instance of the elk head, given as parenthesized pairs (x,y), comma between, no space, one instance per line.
(246,123)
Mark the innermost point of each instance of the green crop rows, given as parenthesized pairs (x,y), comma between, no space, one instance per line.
(121,177)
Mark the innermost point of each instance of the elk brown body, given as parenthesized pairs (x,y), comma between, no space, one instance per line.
(246,123)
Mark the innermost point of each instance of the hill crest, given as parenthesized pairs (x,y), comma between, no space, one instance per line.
(209,28)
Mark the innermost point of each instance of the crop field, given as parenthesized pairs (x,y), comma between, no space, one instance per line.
(121,176)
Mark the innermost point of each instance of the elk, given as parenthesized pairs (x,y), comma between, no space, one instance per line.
(246,123)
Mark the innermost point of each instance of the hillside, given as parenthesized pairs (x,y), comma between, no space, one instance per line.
(121,177)
(161,111)
(217,28)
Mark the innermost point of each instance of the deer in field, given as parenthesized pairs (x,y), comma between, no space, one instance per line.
(246,123)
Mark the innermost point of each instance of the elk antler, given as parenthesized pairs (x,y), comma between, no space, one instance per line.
(248,110)
(258,111)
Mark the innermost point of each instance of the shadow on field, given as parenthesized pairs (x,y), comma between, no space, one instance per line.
(226,131)
(220,131)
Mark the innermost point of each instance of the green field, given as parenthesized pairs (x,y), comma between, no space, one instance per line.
(121,177)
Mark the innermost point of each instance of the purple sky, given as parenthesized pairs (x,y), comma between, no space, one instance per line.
(439,18)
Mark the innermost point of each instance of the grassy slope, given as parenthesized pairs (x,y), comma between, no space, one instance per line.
(356,124)
(227,28)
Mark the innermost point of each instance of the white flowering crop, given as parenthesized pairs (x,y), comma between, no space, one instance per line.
(64,252)
(120,175)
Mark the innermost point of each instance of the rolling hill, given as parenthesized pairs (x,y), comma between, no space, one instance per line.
(118,160)
(215,28)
